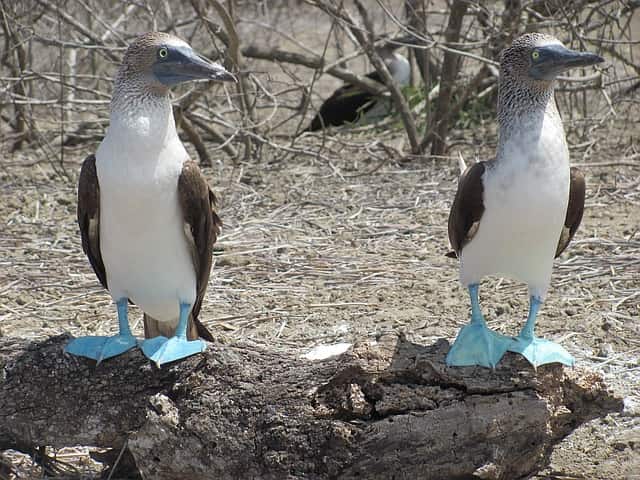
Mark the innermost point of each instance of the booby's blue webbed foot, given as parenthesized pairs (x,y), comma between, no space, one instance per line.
(538,351)
(100,348)
(476,344)
(161,350)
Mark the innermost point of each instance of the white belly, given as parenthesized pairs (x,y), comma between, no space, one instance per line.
(525,208)
(142,236)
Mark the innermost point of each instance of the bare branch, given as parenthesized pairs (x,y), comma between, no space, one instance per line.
(450,68)
(314,62)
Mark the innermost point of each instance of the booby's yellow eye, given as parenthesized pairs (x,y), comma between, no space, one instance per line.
(163,52)
(535,55)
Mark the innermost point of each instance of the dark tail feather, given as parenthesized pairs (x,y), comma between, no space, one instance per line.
(451,254)
(195,330)
(203,332)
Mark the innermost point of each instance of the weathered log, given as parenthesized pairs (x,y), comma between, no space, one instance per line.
(385,409)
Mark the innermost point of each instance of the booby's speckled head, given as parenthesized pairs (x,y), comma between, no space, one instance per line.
(162,60)
(541,57)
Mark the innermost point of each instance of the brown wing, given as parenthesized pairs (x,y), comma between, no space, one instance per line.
(89,216)
(467,208)
(575,209)
(202,227)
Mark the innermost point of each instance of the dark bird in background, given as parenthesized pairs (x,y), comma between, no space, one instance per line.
(514,214)
(351,104)
(145,210)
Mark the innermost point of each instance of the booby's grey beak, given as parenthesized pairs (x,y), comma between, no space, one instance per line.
(550,61)
(182,64)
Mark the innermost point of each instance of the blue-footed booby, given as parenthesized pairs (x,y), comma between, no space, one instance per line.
(350,104)
(144,209)
(514,214)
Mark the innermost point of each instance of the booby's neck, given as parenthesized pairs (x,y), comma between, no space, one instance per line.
(142,141)
(141,114)
(525,107)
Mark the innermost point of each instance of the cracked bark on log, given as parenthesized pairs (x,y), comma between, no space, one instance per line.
(385,409)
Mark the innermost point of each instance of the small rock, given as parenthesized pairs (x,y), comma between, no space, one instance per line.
(631,407)
(22,300)
(606,350)
(322,352)
(166,409)
(607,421)
(620,446)
(489,471)
(232,260)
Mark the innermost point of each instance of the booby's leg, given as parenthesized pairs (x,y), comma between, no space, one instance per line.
(164,350)
(99,347)
(476,344)
(538,350)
